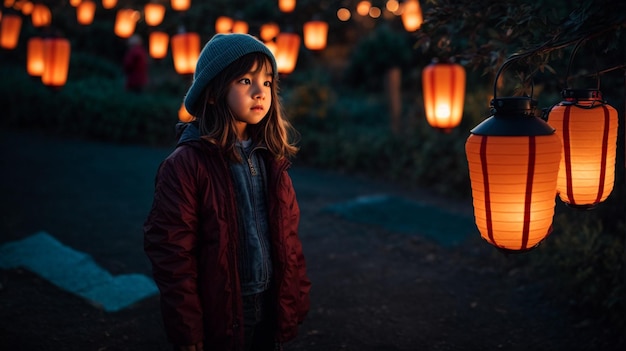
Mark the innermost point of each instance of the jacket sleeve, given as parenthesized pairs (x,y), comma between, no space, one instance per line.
(170,240)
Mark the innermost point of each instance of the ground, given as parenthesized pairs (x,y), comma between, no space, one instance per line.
(382,278)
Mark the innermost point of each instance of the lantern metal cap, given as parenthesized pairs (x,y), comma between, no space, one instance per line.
(581,94)
(513,116)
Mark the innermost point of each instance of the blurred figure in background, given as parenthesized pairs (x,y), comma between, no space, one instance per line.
(136,65)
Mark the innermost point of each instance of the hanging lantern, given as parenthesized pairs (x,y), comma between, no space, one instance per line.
(85,12)
(443,86)
(180,5)
(10,28)
(153,13)
(269,31)
(513,160)
(363,7)
(587,127)
(157,44)
(34,56)
(27,8)
(286,5)
(240,27)
(272,46)
(412,16)
(125,22)
(183,115)
(56,55)
(223,24)
(109,4)
(287,48)
(41,15)
(315,35)
(75,3)
(185,52)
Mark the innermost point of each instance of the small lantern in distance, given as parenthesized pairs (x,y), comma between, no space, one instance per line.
(513,160)
(10,28)
(223,24)
(240,27)
(56,53)
(109,4)
(287,49)
(587,126)
(185,52)
(286,6)
(125,22)
(34,57)
(412,16)
(269,31)
(315,35)
(180,5)
(85,12)
(41,15)
(443,87)
(184,115)
(157,44)
(153,13)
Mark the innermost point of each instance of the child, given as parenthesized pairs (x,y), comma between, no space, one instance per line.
(222,234)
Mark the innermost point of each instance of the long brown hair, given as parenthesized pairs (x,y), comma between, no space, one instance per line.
(217,121)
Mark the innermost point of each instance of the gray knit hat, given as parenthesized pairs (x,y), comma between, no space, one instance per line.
(217,54)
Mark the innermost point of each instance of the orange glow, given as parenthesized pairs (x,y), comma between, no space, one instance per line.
(240,27)
(180,5)
(343,14)
(85,12)
(412,16)
(41,15)
(183,115)
(287,49)
(109,4)
(56,54)
(157,44)
(223,24)
(10,28)
(27,8)
(363,8)
(588,130)
(154,14)
(34,57)
(443,86)
(125,22)
(75,3)
(269,31)
(315,35)
(286,5)
(185,52)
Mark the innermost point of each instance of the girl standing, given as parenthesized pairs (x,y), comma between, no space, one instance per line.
(222,233)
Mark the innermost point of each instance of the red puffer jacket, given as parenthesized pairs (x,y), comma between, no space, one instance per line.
(190,236)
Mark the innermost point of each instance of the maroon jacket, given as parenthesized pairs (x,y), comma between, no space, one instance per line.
(191,240)
(136,68)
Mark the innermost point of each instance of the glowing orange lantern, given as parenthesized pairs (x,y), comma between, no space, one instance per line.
(56,54)
(443,86)
(286,5)
(180,5)
(587,127)
(154,13)
(412,16)
(75,3)
(513,160)
(240,27)
(184,115)
(157,44)
(269,31)
(41,15)
(109,4)
(287,48)
(34,57)
(125,22)
(185,52)
(85,12)
(10,28)
(223,24)
(27,8)
(315,35)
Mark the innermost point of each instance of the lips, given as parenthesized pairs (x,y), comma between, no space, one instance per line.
(257,108)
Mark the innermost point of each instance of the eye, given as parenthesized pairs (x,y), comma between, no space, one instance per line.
(268,83)
(244,81)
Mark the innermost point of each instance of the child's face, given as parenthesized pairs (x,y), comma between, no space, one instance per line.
(250,96)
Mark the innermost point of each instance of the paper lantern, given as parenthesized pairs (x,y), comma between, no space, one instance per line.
(269,31)
(287,48)
(223,24)
(443,87)
(109,4)
(513,160)
(587,127)
(412,16)
(85,12)
(184,115)
(153,13)
(34,57)
(125,22)
(41,15)
(185,52)
(315,35)
(286,5)
(240,27)
(75,3)
(10,28)
(157,44)
(56,55)
(180,5)
(27,8)
(363,7)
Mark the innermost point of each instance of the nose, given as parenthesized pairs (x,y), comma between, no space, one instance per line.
(258,91)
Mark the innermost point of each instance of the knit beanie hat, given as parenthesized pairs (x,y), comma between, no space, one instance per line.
(217,54)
